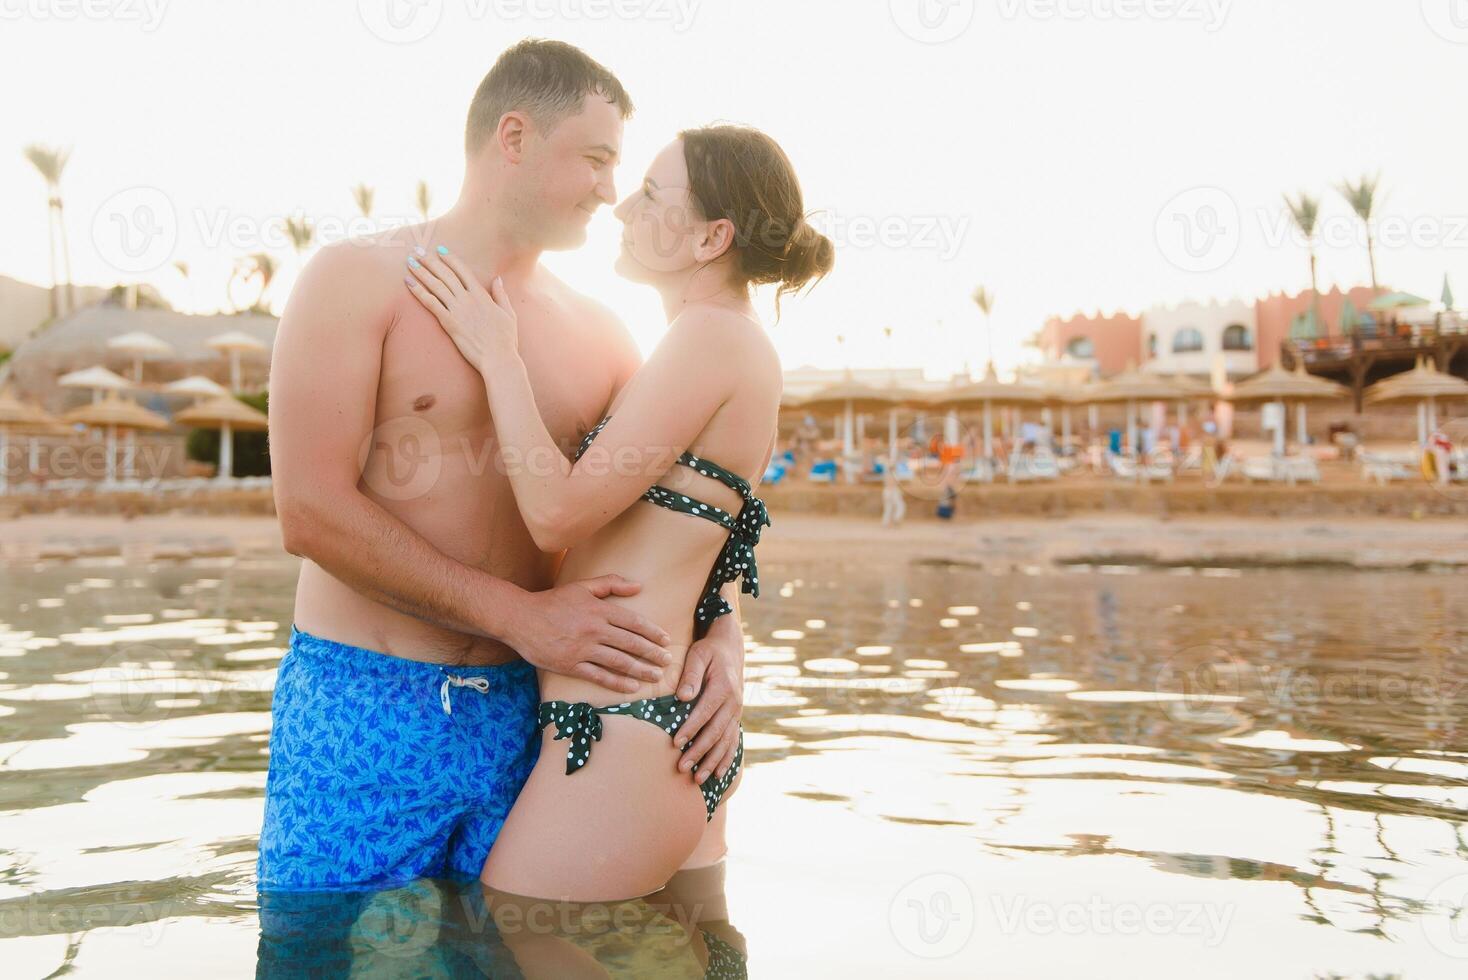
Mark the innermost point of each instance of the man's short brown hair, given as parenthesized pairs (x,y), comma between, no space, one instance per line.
(547,80)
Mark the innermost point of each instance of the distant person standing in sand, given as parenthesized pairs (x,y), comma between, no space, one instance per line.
(894,508)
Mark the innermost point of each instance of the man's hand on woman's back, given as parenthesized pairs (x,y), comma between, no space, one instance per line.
(572,630)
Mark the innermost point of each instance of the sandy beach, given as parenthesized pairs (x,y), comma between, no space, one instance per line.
(1428,543)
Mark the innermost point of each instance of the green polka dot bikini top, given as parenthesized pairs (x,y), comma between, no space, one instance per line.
(737,556)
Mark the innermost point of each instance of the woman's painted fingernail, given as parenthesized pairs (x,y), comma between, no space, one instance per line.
(414,262)
(442,250)
(410,280)
(420,250)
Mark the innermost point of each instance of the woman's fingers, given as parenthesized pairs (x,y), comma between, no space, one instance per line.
(430,282)
(498,294)
(459,269)
(433,262)
(422,295)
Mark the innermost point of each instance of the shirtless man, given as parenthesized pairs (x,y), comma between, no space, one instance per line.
(404,712)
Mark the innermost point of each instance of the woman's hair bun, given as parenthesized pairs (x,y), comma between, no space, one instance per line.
(740,174)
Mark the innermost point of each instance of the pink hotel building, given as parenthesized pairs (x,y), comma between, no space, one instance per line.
(1191,338)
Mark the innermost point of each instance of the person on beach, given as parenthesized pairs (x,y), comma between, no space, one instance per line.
(894,508)
(404,718)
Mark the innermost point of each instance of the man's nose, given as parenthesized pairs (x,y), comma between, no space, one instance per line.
(606,189)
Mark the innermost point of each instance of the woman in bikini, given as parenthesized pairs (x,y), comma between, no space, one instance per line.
(606,813)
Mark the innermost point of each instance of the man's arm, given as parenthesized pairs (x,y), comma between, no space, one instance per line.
(323,388)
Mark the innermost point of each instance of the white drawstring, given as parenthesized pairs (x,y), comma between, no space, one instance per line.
(480,684)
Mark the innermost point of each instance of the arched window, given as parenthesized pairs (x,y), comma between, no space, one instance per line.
(1186,340)
(1236,337)
(1080,347)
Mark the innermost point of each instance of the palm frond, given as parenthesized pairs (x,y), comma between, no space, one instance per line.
(1306,212)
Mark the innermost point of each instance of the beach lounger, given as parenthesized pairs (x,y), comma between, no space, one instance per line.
(1386,467)
(823,471)
(1037,465)
(1301,468)
(1123,467)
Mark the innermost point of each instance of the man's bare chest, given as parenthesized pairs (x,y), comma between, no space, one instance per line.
(426,384)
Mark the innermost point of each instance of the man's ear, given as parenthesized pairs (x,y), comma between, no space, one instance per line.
(717,239)
(510,135)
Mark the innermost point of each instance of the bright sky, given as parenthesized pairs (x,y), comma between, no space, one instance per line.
(1068,154)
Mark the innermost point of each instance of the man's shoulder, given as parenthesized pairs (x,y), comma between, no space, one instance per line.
(598,318)
(363,258)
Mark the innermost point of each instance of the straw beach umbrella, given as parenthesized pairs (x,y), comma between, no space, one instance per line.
(19,417)
(1424,384)
(226,414)
(1278,385)
(988,392)
(851,397)
(1132,386)
(234,343)
(138,345)
(196,385)
(97,378)
(113,413)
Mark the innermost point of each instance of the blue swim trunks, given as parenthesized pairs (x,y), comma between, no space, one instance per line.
(384,770)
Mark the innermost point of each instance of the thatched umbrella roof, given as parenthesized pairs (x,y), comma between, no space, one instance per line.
(1134,385)
(119,412)
(1276,384)
(236,340)
(1192,387)
(196,384)
(140,342)
(991,390)
(13,411)
(96,377)
(1422,382)
(216,413)
(861,397)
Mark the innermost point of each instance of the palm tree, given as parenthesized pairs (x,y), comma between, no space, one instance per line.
(182,268)
(985,301)
(1306,212)
(362,194)
(424,199)
(1361,196)
(261,266)
(49,163)
(302,233)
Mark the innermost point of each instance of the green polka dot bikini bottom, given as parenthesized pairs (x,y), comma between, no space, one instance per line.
(579,724)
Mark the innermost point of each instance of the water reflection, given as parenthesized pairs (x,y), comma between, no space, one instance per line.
(1289,743)
(459,929)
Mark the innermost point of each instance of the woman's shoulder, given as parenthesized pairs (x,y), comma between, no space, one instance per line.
(739,341)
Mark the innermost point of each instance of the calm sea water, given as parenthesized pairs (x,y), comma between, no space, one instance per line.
(1085,772)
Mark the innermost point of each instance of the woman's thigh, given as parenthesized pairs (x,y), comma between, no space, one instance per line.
(618,827)
(714,844)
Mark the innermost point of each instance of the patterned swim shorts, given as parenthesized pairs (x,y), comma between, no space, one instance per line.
(384,770)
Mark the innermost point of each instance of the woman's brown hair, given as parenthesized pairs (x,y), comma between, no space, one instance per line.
(739,173)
